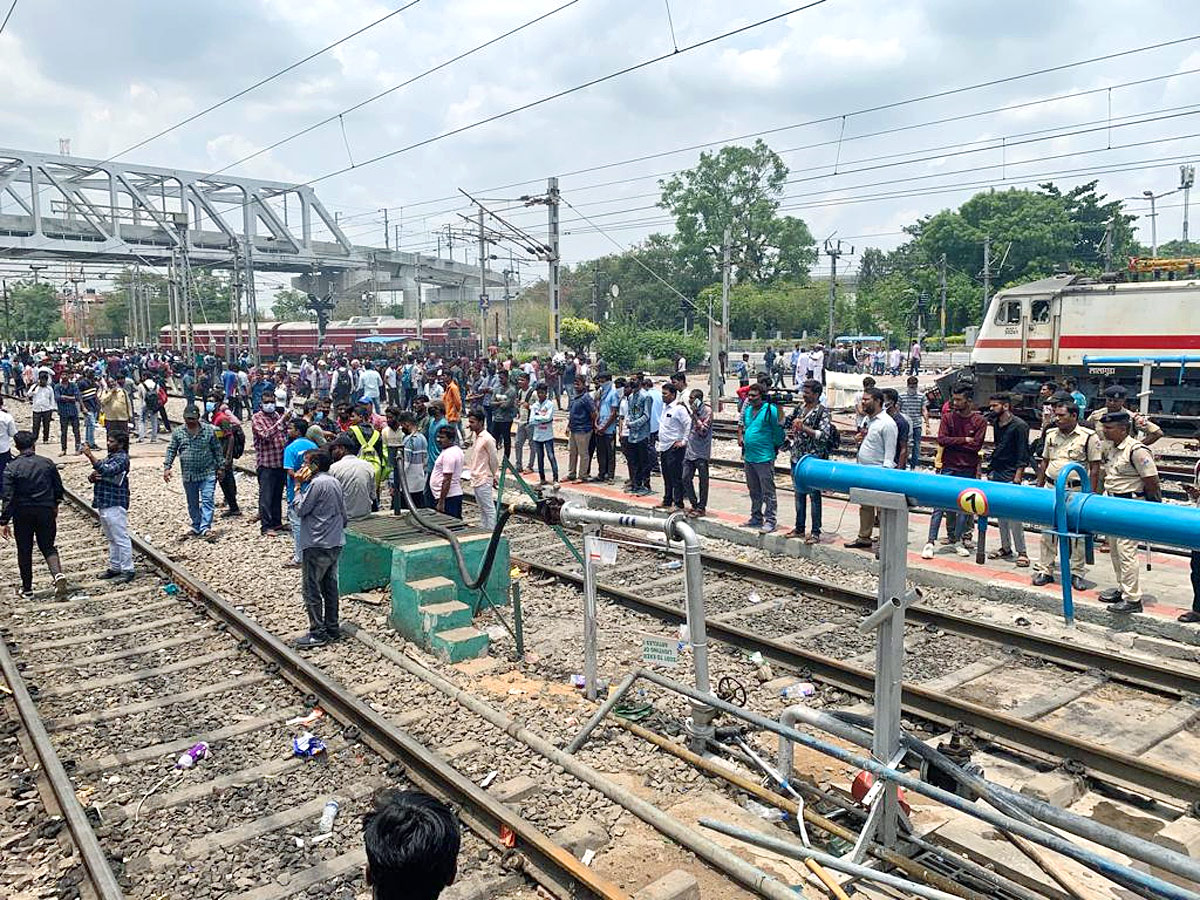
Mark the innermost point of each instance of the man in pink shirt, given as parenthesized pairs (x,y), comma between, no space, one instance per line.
(445,481)
(485,468)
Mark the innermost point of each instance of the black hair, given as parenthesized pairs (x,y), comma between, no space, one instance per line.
(891,395)
(122,439)
(964,390)
(450,430)
(412,842)
(874,393)
(320,459)
(23,440)
(670,386)
(407,416)
(477,413)
(868,381)
(1067,403)
(1005,397)
(812,385)
(300,424)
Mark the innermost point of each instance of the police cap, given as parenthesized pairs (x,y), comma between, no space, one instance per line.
(1116,392)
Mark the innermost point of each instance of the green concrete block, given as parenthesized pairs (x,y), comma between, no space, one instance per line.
(365,563)
(437,617)
(458,644)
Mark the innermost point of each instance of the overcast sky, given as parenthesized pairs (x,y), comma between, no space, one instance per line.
(108,75)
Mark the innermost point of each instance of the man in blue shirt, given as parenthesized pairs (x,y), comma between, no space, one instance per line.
(655,397)
(437,418)
(293,459)
(1072,386)
(638,425)
(606,429)
(581,421)
(758,435)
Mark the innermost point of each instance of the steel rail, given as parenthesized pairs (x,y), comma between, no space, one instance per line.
(95,860)
(553,867)
(1174,786)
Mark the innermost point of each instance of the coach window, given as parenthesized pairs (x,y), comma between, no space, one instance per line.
(1039,311)
(1009,313)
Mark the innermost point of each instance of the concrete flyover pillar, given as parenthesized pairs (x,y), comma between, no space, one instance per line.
(411,290)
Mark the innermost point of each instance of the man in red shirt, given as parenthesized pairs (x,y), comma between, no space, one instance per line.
(961,434)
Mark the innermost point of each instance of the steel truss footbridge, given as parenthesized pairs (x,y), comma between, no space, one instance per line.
(67,208)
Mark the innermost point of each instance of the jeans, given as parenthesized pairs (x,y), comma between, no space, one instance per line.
(544,449)
(40,523)
(606,456)
(485,501)
(149,424)
(760,478)
(524,436)
(114,521)
(320,587)
(89,429)
(692,467)
(64,423)
(960,523)
(270,499)
(294,522)
(200,503)
(672,469)
(501,430)
(579,462)
(42,420)
(914,452)
(803,501)
(1012,533)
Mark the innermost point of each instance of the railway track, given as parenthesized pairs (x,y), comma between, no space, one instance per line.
(1056,702)
(116,682)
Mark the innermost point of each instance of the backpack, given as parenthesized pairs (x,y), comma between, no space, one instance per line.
(152,401)
(368,450)
(239,439)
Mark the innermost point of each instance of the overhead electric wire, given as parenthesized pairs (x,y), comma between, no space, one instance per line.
(396,87)
(566,92)
(862,111)
(7,16)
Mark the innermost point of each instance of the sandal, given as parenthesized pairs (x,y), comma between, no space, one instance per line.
(1000,554)
(1022,561)
(794,534)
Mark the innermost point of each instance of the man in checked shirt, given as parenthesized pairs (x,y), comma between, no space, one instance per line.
(912,404)
(202,464)
(110,497)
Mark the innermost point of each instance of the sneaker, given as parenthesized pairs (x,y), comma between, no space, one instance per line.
(231,513)
(768,528)
(26,595)
(308,641)
(126,577)
(962,549)
(750,523)
(1189,618)
(927,553)
(108,573)
(1041,578)
(1079,584)
(60,586)
(333,635)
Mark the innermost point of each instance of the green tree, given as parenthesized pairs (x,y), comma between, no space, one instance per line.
(578,334)
(291,306)
(1091,217)
(738,188)
(35,311)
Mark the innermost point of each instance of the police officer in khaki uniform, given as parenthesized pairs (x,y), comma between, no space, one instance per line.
(1129,472)
(1142,428)
(1066,442)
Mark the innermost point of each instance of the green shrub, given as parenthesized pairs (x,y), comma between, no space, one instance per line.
(620,346)
(578,334)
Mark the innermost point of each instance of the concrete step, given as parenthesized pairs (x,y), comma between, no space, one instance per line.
(437,617)
(434,589)
(456,644)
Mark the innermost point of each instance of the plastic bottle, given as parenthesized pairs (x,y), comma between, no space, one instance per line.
(798,691)
(189,757)
(325,825)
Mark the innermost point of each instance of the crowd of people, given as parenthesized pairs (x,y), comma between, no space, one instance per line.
(415,430)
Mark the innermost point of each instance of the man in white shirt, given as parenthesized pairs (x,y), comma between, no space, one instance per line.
(8,430)
(371,385)
(356,476)
(42,401)
(674,426)
(484,466)
(878,448)
(391,380)
(816,363)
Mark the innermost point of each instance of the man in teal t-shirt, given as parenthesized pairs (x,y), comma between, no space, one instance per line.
(759,434)
(293,459)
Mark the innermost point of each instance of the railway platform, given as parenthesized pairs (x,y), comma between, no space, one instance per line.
(1167,586)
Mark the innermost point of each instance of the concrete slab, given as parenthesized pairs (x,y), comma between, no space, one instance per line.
(582,835)
(675,885)
(1057,788)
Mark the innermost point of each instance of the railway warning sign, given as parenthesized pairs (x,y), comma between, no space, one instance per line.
(660,650)
(973,501)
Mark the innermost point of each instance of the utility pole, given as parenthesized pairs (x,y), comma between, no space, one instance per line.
(387,244)
(725,273)
(834,252)
(1187,177)
(173,301)
(251,302)
(987,271)
(942,285)
(36,269)
(483,296)
(507,306)
(552,201)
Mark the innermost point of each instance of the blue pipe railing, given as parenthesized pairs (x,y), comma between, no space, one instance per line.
(1071,514)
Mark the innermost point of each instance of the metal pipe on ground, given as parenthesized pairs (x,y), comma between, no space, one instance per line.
(1094,861)
(715,855)
(798,851)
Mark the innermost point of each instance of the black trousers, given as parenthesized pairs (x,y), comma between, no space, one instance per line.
(65,423)
(270,499)
(229,489)
(654,461)
(33,523)
(502,432)
(606,456)
(642,455)
(42,420)
(672,473)
(320,586)
(1196,581)
(691,468)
